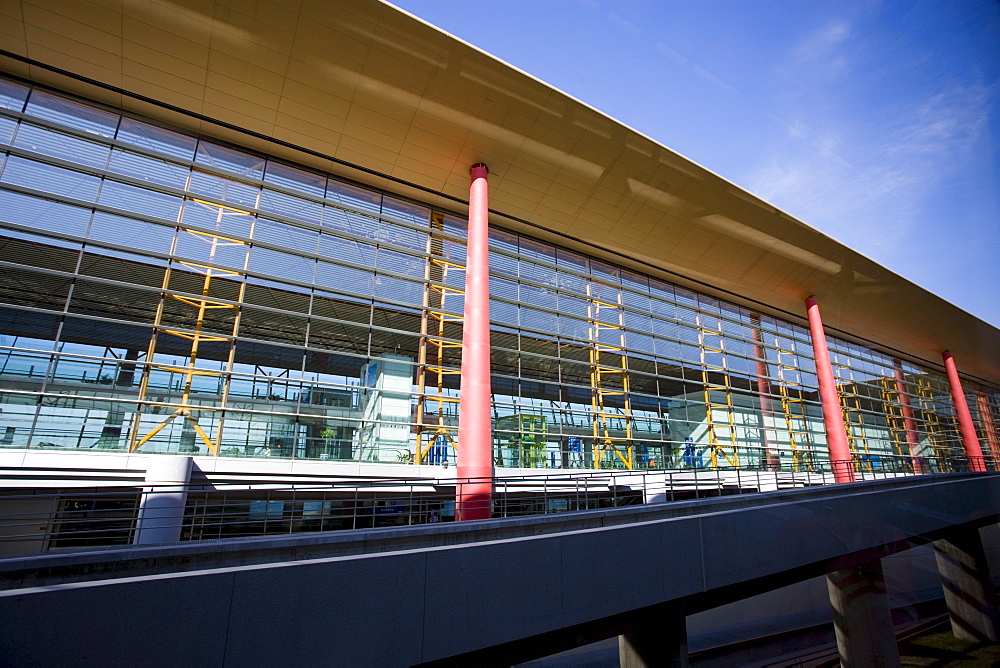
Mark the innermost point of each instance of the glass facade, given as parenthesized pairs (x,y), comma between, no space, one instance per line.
(163,292)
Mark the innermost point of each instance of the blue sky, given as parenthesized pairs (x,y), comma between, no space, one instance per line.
(874,122)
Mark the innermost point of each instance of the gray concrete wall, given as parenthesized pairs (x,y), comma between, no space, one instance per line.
(25,524)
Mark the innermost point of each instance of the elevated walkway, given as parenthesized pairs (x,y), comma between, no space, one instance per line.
(491,592)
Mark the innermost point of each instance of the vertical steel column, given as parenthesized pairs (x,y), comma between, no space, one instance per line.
(833,417)
(771,458)
(965,425)
(909,422)
(473,499)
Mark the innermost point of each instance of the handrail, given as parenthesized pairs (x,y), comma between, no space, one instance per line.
(33,522)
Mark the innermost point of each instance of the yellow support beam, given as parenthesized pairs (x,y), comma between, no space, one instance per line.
(432,425)
(609,377)
(706,346)
(201,305)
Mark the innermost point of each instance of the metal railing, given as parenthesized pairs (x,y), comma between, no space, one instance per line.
(73,519)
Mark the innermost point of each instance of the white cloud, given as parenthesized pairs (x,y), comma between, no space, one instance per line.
(865,183)
(624,23)
(715,80)
(822,42)
(671,53)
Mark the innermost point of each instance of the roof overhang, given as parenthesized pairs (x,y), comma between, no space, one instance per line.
(364,83)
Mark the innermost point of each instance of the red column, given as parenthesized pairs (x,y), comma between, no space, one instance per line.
(965,425)
(833,417)
(909,422)
(771,459)
(989,426)
(473,499)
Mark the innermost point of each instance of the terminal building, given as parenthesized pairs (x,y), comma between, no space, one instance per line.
(238,233)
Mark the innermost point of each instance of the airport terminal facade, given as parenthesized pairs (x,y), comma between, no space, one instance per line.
(186,283)
(167,293)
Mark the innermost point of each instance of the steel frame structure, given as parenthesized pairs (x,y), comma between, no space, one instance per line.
(707,347)
(434,344)
(203,304)
(608,375)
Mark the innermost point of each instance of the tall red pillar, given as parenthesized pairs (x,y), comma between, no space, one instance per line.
(909,422)
(474,498)
(833,417)
(966,427)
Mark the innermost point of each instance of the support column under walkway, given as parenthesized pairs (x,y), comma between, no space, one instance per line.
(861,617)
(968,590)
(658,640)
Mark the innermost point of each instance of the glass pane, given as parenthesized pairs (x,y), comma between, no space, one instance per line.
(82,116)
(400,263)
(130,232)
(296,179)
(156,138)
(230,160)
(61,145)
(7,126)
(388,287)
(12,95)
(359,198)
(44,214)
(503,239)
(148,169)
(293,207)
(224,189)
(276,263)
(32,288)
(211,249)
(343,278)
(31,174)
(217,218)
(411,213)
(347,249)
(354,223)
(140,200)
(286,235)
(402,236)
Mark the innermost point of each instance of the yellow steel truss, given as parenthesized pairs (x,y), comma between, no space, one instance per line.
(432,368)
(710,341)
(854,420)
(987,424)
(609,374)
(201,306)
(793,407)
(934,427)
(894,419)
